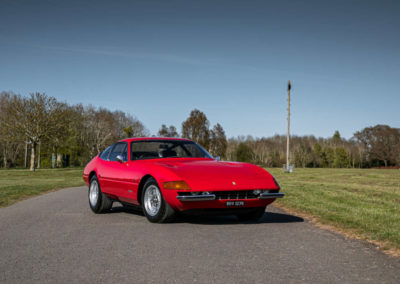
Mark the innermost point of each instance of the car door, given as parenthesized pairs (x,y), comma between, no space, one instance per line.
(118,176)
(102,168)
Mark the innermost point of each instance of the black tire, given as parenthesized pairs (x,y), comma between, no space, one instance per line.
(99,203)
(164,213)
(254,215)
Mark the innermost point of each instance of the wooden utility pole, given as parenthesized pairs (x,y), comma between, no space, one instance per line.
(288,128)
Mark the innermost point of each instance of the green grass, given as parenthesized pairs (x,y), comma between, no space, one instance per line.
(19,184)
(364,202)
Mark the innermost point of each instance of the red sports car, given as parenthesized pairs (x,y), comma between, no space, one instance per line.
(168,175)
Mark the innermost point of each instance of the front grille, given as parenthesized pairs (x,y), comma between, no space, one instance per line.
(234,194)
(237,194)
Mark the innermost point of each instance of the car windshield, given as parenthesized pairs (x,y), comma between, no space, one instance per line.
(155,149)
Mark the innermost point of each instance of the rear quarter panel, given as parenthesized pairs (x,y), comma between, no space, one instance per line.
(90,167)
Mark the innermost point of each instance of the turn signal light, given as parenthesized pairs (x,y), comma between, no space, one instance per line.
(177,185)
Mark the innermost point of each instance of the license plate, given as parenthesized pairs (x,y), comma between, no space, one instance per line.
(235,203)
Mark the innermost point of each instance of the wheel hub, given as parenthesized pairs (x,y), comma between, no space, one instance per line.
(152,200)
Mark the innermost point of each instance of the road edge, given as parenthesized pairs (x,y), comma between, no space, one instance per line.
(385,247)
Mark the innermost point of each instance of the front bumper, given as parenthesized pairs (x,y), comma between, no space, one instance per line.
(207,197)
(271,195)
(200,197)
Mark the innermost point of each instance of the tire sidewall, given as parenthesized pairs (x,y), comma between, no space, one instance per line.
(95,208)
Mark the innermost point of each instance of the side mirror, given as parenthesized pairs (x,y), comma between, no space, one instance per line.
(218,158)
(119,158)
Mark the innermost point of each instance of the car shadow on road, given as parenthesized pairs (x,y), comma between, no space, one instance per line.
(269,217)
(126,209)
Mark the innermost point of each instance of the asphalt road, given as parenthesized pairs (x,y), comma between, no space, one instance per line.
(55,238)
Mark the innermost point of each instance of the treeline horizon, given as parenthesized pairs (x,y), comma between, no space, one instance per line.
(40,131)
(377,146)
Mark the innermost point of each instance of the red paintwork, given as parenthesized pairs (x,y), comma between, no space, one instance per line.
(121,180)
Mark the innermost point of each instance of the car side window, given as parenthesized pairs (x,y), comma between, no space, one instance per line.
(105,153)
(119,149)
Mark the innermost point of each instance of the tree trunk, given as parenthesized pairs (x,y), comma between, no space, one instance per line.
(5,158)
(26,155)
(59,160)
(38,159)
(385,161)
(33,150)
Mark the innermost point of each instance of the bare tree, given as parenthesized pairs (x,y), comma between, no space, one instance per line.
(35,118)
(10,141)
(97,129)
(101,127)
(128,126)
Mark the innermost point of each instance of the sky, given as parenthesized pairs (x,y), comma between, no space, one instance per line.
(158,60)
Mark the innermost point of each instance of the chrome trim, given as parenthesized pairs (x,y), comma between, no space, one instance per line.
(267,195)
(200,197)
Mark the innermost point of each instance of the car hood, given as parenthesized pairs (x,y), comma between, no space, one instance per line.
(209,174)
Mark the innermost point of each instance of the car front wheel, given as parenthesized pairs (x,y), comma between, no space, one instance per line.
(155,208)
(98,201)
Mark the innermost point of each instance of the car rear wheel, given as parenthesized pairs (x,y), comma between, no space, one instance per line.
(98,201)
(155,208)
(253,215)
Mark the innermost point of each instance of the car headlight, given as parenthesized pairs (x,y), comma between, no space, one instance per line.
(176,185)
(256,192)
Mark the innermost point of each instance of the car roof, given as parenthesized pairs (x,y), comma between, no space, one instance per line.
(153,138)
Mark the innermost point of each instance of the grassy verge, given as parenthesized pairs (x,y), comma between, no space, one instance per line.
(16,185)
(363,202)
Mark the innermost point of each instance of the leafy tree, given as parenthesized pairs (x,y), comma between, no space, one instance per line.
(329,157)
(218,142)
(336,138)
(244,153)
(381,141)
(341,159)
(196,127)
(317,155)
(168,131)
(128,131)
